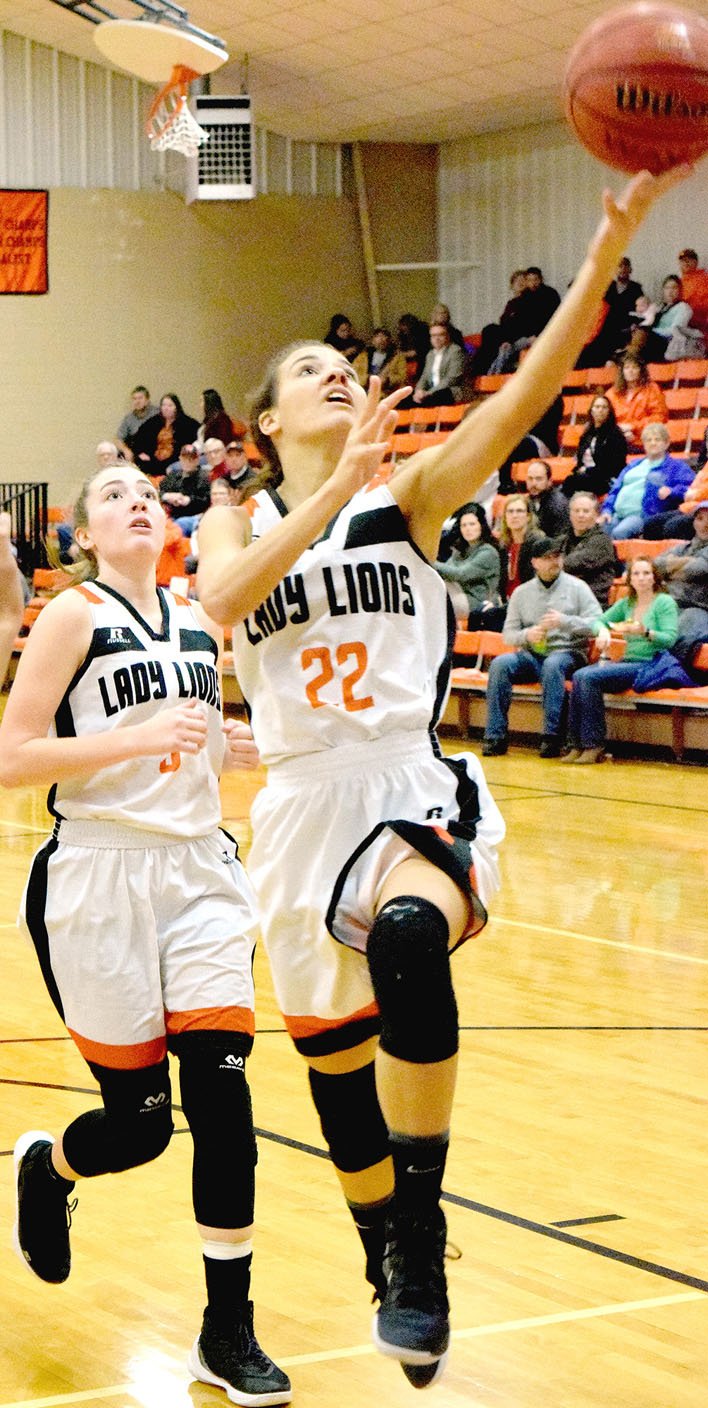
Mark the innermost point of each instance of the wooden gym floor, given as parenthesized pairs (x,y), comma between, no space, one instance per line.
(576,1184)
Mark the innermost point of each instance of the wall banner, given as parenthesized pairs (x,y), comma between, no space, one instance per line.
(24,219)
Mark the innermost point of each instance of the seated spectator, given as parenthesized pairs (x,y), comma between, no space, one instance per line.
(694,283)
(536,310)
(340,334)
(654,483)
(442,316)
(142,410)
(665,340)
(472,571)
(382,358)
(685,569)
(602,452)
(518,532)
(442,379)
(184,490)
(635,399)
(548,621)
(215,455)
(620,299)
(414,343)
(494,334)
(548,504)
(239,475)
(11,595)
(106,453)
(587,551)
(157,445)
(219,495)
(216,423)
(541,440)
(647,620)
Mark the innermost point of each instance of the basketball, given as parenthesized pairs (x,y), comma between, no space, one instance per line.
(636,87)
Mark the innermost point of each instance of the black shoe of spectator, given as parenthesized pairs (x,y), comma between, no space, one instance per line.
(494,747)
(550,747)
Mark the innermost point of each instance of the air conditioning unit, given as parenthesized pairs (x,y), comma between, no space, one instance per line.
(224,167)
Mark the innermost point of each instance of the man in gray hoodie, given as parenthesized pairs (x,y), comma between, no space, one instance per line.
(549,622)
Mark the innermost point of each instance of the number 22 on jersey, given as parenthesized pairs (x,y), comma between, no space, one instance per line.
(321,656)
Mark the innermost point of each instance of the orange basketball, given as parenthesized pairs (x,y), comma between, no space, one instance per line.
(636,87)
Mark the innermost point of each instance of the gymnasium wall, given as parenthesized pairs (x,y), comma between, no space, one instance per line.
(532,196)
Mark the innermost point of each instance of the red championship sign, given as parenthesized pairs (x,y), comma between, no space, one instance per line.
(23,241)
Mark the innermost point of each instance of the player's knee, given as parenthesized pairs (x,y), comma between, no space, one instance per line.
(409,964)
(350,1116)
(106,1141)
(216,1101)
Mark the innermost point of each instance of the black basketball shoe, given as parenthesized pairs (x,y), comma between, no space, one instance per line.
(233,1360)
(412,1324)
(43,1212)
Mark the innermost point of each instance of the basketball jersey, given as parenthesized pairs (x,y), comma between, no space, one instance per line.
(132,672)
(354,642)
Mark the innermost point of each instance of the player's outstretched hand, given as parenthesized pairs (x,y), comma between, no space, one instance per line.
(241,751)
(368,438)
(624,214)
(182,729)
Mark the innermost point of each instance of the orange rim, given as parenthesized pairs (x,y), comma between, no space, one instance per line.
(159,119)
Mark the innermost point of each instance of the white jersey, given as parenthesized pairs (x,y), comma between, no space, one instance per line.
(131,673)
(354,643)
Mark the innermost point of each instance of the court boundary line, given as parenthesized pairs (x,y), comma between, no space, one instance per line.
(356,1351)
(596,797)
(670,954)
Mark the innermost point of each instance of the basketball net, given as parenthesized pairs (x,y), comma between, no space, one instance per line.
(170,125)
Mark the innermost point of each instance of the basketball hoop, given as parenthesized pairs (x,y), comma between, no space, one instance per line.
(170,125)
(151,52)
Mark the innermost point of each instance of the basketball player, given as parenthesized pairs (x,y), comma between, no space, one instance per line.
(139,909)
(373,856)
(11,600)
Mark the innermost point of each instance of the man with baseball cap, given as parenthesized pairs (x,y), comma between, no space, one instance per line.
(239,474)
(549,622)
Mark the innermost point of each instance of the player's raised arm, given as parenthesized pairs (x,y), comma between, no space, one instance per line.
(435,482)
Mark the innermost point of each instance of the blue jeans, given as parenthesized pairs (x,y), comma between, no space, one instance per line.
(524,668)
(629,527)
(187,524)
(587,708)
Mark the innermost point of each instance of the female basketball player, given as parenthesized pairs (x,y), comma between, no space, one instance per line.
(139,909)
(373,855)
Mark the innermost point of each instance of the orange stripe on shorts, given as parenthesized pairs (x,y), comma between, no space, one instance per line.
(122,1058)
(212,1019)
(312,1026)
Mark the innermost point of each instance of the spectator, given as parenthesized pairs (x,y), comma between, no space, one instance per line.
(694,282)
(142,410)
(441,315)
(602,452)
(494,334)
(666,339)
(185,490)
(517,533)
(239,476)
(472,571)
(547,503)
(635,399)
(535,311)
(587,550)
(158,443)
(441,383)
(656,482)
(11,595)
(686,571)
(340,334)
(620,299)
(106,453)
(216,424)
(647,620)
(548,621)
(414,342)
(381,358)
(215,456)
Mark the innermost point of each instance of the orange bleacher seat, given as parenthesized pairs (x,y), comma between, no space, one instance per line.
(692,372)
(46,581)
(663,372)
(253,454)
(600,376)
(570,436)
(682,401)
(697,433)
(578,407)
(575,378)
(560,466)
(701,394)
(679,435)
(489,382)
(629,548)
(404,445)
(431,417)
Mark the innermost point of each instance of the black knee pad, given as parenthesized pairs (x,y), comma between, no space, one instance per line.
(134,1127)
(409,965)
(351,1119)
(216,1102)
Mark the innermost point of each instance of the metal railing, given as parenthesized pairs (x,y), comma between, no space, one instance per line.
(27,506)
